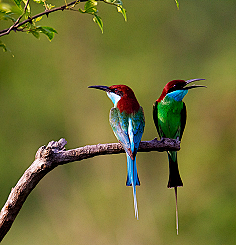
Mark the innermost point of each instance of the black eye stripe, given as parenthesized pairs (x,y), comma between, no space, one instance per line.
(118,92)
(175,87)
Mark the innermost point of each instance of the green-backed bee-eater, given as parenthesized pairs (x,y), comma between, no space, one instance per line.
(169,114)
(127,121)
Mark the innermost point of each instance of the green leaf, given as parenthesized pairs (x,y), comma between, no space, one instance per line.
(5,8)
(109,1)
(48,31)
(121,10)
(38,19)
(49,6)
(98,20)
(82,11)
(18,3)
(177,3)
(6,12)
(3,46)
(35,33)
(114,2)
(4,16)
(39,1)
(90,7)
(119,5)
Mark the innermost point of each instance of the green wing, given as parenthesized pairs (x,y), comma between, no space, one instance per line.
(156,120)
(183,120)
(119,126)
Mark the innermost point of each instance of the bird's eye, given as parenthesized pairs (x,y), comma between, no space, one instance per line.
(116,90)
(176,86)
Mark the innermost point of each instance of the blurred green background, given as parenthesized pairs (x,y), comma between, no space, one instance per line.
(44,97)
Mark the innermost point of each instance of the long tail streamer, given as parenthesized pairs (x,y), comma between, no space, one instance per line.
(176,210)
(135,202)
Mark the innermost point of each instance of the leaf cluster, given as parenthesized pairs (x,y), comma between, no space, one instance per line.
(19,13)
(90,7)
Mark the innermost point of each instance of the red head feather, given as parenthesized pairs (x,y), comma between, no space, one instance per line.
(171,86)
(128,101)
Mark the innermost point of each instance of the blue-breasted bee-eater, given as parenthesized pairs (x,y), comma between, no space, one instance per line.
(169,114)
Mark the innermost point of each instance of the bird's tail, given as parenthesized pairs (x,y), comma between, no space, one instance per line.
(174,176)
(174,180)
(133,180)
(132,173)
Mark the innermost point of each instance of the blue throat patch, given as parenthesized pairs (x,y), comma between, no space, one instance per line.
(178,95)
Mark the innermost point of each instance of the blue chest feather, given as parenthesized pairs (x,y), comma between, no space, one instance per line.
(178,95)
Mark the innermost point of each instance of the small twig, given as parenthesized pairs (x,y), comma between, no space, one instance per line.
(54,154)
(16,22)
(16,25)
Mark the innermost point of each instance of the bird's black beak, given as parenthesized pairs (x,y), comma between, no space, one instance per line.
(104,88)
(193,86)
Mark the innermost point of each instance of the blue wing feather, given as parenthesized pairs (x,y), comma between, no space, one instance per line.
(128,129)
(138,124)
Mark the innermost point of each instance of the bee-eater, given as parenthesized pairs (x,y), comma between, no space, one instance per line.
(169,114)
(127,121)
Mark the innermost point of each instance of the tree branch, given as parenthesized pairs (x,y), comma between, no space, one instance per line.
(16,25)
(54,154)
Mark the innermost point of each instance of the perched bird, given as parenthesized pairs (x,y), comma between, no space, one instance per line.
(169,115)
(127,121)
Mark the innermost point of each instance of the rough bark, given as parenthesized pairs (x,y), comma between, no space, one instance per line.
(54,154)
